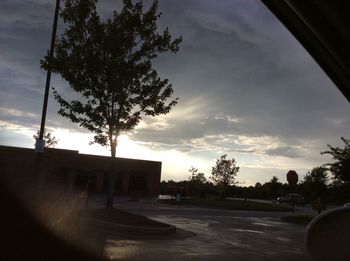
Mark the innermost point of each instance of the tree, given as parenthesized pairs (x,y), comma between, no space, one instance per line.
(195,176)
(258,185)
(224,173)
(274,187)
(193,172)
(50,141)
(315,183)
(109,63)
(197,181)
(341,167)
(274,180)
(200,178)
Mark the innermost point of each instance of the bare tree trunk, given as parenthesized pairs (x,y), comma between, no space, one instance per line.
(111,174)
(224,191)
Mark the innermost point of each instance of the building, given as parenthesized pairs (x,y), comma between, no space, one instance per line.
(132,177)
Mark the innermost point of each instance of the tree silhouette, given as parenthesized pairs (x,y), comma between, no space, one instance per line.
(274,187)
(224,174)
(193,172)
(109,63)
(200,178)
(341,167)
(258,185)
(197,182)
(315,183)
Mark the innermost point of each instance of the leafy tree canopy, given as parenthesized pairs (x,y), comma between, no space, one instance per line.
(315,183)
(224,173)
(110,64)
(341,167)
(317,175)
(274,180)
(258,185)
(273,187)
(200,178)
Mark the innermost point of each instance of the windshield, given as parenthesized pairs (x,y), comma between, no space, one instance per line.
(197,133)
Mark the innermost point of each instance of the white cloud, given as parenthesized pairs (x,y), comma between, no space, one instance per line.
(16,113)
(17,128)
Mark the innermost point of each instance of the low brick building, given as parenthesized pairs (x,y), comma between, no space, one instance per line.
(132,176)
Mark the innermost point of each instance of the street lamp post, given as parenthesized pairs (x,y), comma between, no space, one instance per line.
(40,143)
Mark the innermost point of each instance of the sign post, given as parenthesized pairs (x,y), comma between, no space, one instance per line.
(292,178)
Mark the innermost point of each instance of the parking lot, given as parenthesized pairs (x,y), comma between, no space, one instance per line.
(210,234)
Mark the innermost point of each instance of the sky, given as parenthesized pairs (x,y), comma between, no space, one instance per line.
(246,88)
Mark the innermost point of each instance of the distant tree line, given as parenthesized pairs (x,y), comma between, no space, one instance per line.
(329,182)
(223,178)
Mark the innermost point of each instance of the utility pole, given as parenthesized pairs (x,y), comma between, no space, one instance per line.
(40,143)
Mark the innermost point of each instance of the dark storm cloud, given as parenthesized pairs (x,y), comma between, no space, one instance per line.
(286,151)
(217,134)
(25,14)
(250,66)
(24,38)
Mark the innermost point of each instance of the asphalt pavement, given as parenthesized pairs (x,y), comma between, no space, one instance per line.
(209,234)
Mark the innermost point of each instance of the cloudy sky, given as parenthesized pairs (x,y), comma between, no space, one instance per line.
(246,88)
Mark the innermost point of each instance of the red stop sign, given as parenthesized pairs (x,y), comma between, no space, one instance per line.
(292,177)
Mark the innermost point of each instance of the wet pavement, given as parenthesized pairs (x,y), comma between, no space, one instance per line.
(203,233)
(208,234)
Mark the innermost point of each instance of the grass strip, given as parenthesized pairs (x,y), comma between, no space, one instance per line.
(228,204)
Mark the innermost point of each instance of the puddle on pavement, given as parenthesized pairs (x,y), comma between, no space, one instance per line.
(246,230)
(283,239)
(263,224)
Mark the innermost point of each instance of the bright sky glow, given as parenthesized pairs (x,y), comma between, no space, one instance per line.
(246,88)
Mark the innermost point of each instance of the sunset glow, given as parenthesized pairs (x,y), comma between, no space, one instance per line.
(246,88)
